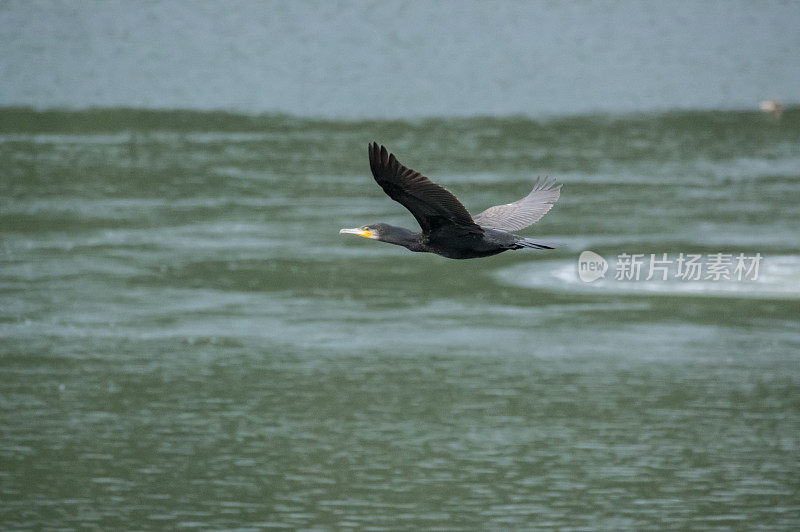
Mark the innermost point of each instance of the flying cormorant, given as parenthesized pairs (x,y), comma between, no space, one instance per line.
(447,227)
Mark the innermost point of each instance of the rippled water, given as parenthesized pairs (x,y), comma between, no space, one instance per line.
(188,343)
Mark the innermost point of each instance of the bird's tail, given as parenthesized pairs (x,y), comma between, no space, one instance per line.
(536,243)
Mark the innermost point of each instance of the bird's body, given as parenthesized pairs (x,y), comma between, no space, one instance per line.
(447,227)
(451,242)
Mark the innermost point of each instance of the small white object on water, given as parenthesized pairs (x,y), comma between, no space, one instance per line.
(772,106)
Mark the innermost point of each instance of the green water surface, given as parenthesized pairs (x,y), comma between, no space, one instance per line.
(187,342)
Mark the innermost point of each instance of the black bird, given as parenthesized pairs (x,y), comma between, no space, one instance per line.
(447,227)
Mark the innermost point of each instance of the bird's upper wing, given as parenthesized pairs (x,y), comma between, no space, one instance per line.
(431,205)
(521,213)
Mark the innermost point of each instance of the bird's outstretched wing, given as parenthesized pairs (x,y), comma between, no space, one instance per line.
(521,213)
(431,205)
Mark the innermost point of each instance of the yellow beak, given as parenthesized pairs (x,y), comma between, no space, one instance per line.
(357,231)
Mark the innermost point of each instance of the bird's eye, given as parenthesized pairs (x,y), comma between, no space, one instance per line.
(365,228)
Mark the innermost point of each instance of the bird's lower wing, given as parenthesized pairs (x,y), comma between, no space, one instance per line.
(521,213)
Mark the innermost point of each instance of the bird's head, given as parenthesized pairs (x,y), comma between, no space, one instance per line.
(368,231)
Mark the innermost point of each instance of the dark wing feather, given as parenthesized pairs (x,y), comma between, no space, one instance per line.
(431,205)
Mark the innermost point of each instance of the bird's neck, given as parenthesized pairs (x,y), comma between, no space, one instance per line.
(403,237)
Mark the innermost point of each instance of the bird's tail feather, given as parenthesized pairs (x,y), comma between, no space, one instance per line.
(537,244)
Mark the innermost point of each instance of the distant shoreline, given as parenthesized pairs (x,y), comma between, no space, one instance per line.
(22,119)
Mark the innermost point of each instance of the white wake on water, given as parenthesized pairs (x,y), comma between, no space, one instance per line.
(778,278)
